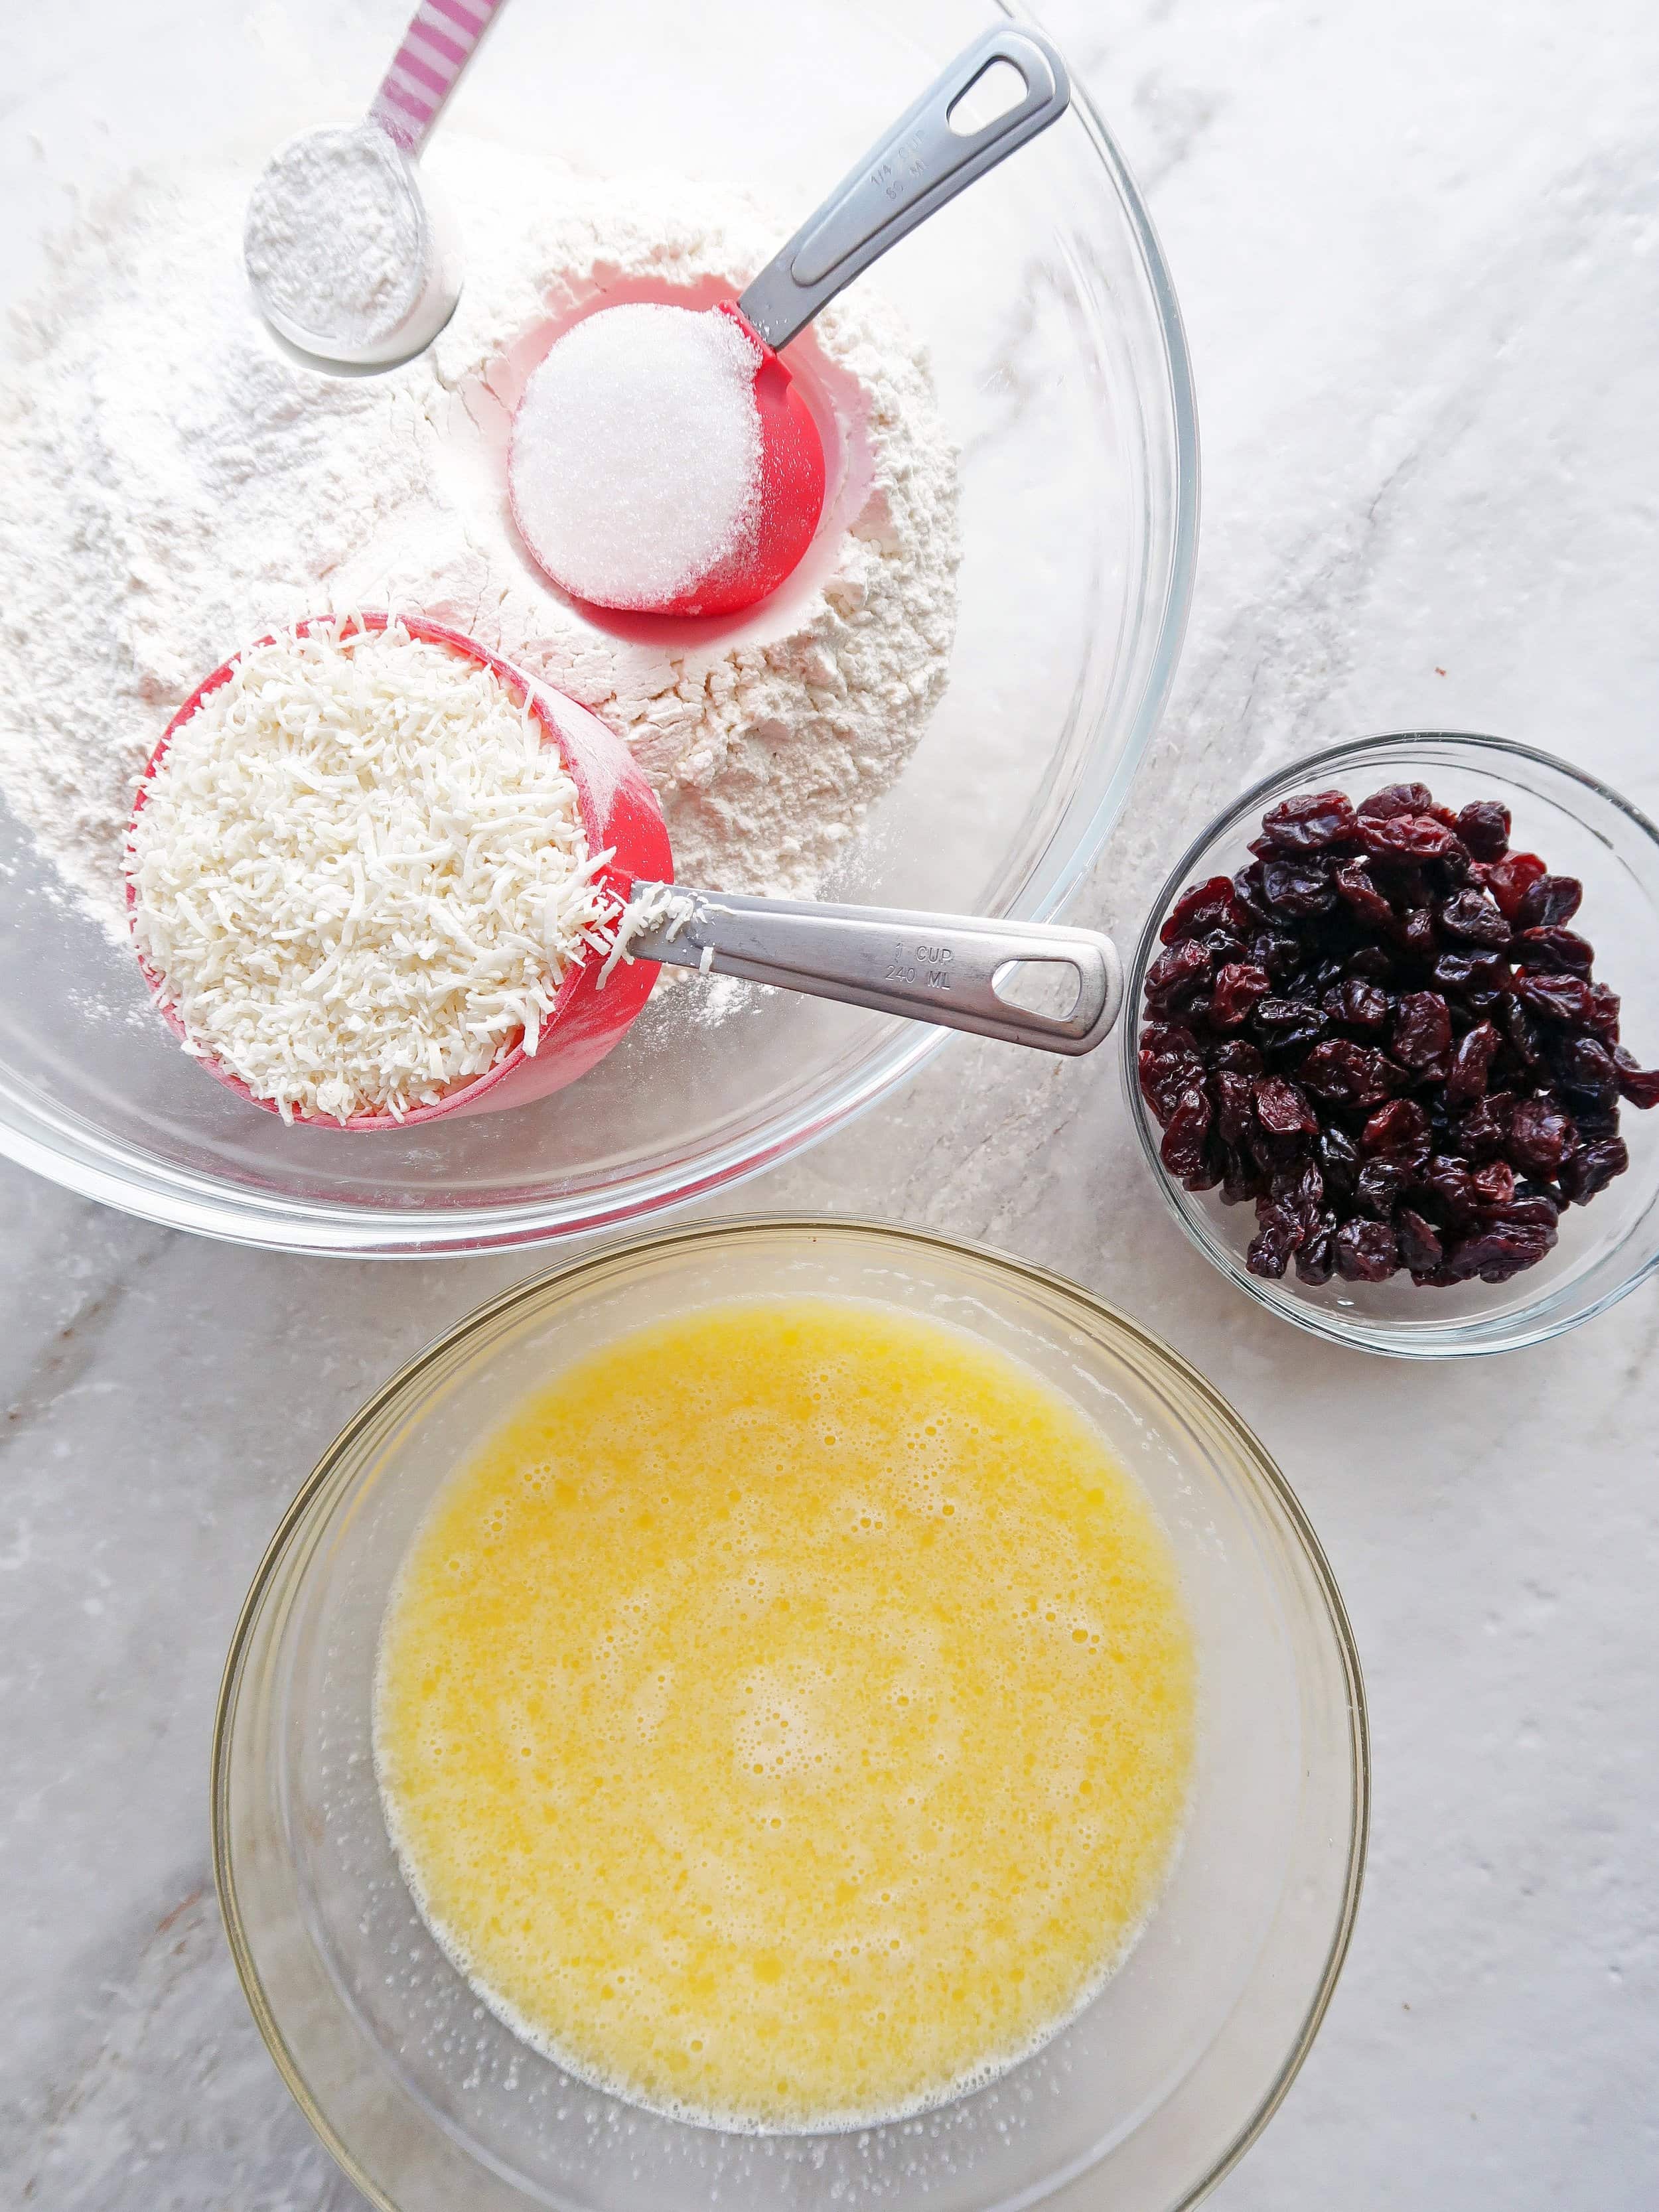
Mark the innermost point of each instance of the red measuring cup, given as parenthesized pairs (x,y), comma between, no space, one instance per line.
(936,149)
(619,811)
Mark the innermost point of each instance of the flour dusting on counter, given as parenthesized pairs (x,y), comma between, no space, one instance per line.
(176,486)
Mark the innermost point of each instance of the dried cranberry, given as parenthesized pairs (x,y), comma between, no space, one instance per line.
(1165,1075)
(1422,1032)
(1315,1255)
(1399,1129)
(1553,948)
(1157,1036)
(1206,906)
(1369,963)
(1183,1149)
(1238,1180)
(1494,1183)
(1300,1184)
(1282,1108)
(1499,1249)
(1177,974)
(1471,1064)
(1339,1160)
(1238,987)
(1604,1012)
(1549,900)
(1484,1131)
(1416,932)
(1350,1074)
(1357,890)
(1639,1084)
(1278,1235)
(1307,823)
(1540,1133)
(1247,889)
(1472,974)
(1507,880)
(1411,837)
(1449,1182)
(1596,1117)
(1396,799)
(1280,956)
(1366,1251)
(1301,888)
(1484,826)
(1287,1024)
(1359,1005)
(1473,918)
(1239,1054)
(1377,1187)
(1233,1098)
(1558,998)
(1584,1063)
(1520,1031)
(1419,1246)
(1593,1167)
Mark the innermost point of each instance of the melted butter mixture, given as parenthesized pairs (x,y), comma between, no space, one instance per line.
(785,1720)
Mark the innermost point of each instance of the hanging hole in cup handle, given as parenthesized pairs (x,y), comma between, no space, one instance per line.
(997,90)
(1049,987)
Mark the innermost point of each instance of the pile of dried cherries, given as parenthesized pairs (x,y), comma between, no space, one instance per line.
(1383,1032)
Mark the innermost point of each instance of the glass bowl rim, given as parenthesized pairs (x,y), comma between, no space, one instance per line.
(1358,1336)
(58,1145)
(1253,1464)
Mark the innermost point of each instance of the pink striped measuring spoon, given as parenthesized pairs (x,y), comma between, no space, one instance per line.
(442,39)
(349,262)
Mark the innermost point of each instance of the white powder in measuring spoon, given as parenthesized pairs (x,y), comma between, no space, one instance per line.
(636,454)
(334,241)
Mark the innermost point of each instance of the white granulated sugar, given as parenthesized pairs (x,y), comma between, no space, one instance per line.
(636,452)
(360,875)
(174,487)
(334,239)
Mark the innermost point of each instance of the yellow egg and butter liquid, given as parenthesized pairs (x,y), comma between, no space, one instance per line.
(785,1719)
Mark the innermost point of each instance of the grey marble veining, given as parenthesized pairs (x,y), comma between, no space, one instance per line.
(1418,253)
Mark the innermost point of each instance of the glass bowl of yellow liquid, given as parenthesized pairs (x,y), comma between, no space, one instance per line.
(790,1712)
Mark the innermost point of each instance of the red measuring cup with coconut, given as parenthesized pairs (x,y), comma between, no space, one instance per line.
(956,971)
(662,459)
(619,812)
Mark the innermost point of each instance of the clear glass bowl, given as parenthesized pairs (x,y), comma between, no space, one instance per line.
(1581,829)
(429,2102)
(1062,374)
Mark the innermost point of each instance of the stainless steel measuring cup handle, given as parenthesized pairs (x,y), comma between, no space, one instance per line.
(942,968)
(921,164)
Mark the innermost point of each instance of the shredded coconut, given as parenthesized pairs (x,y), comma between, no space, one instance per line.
(174,486)
(359,874)
(636,454)
(334,240)
(647,910)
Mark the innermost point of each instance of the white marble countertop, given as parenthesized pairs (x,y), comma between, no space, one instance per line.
(1417,248)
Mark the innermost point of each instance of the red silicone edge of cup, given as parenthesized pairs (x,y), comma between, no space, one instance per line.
(619,813)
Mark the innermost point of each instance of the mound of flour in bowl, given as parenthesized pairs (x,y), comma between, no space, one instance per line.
(174,486)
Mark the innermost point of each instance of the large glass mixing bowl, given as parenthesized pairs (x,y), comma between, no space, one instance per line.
(1062,375)
(1138,2104)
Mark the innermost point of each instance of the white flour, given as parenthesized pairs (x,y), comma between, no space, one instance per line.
(173,486)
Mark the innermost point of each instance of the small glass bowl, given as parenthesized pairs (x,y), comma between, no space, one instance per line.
(1156,2087)
(1581,829)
